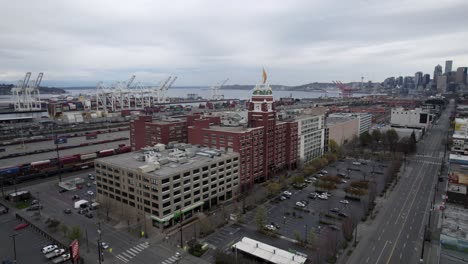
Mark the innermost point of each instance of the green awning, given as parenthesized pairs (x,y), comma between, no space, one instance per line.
(176,214)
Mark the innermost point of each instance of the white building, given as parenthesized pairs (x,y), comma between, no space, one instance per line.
(416,118)
(311,137)
(364,120)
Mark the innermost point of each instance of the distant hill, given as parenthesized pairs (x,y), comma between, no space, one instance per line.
(5,89)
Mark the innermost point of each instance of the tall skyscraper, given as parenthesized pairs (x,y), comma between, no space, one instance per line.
(426,79)
(448,66)
(437,72)
(418,79)
(461,75)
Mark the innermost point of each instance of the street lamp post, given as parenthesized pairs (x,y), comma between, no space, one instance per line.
(14,246)
(305,234)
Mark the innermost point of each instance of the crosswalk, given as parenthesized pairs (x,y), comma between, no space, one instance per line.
(130,253)
(171,259)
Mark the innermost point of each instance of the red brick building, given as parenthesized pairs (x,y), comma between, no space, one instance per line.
(265,145)
(148,132)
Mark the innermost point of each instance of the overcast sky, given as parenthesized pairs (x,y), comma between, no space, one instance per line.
(202,42)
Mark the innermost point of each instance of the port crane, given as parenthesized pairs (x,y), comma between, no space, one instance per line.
(26,94)
(215,95)
(346,91)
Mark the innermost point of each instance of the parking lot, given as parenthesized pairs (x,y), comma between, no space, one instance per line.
(292,220)
(26,239)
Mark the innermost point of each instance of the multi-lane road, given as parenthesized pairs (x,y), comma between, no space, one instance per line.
(396,235)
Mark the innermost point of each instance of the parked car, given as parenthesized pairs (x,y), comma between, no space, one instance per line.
(270,227)
(88,184)
(89,215)
(67,211)
(309,180)
(324,172)
(287,194)
(342,214)
(335,210)
(344,181)
(356,163)
(49,248)
(63,190)
(342,175)
(75,197)
(21,226)
(35,207)
(33,202)
(104,245)
(327,194)
(90,192)
(323,197)
(282,198)
(300,204)
(275,225)
(312,195)
(334,227)
(344,201)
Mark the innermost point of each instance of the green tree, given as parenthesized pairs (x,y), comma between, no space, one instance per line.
(412,143)
(75,233)
(376,136)
(273,188)
(392,139)
(64,228)
(299,179)
(365,139)
(311,238)
(260,217)
(309,170)
(297,236)
(333,146)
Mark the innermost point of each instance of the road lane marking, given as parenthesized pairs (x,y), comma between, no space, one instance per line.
(122,258)
(127,255)
(380,255)
(411,205)
(367,260)
(401,255)
(404,245)
(131,253)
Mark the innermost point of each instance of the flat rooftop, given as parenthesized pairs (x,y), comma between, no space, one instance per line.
(130,161)
(455,223)
(235,129)
(456,188)
(167,121)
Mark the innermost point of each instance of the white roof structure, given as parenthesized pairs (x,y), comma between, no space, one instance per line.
(268,253)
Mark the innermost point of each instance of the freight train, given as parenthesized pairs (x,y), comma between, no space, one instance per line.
(50,167)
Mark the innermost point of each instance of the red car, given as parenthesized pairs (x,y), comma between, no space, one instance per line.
(79,187)
(21,226)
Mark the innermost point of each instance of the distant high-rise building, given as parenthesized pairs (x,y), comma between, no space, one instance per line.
(408,82)
(426,79)
(461,75)
(448,66)
(399,81)
(442,84)
(418,79)
(437,72)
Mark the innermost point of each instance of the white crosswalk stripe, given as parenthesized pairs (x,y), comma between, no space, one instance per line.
(134,251)
(164,262)
(173,258)
(127,255)
(130,252)
(120,257)
(140,247)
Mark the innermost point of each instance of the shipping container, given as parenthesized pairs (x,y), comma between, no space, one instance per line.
(105,153)
(40,164)
(91,136)
(88,156)
(7,171)
(69,159)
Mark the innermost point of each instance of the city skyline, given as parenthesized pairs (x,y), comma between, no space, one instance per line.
(203,43)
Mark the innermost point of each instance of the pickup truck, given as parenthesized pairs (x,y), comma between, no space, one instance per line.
(55,253)
(61,259)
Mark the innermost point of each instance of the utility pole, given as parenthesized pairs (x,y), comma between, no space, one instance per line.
(58,158)
(100,253)
(305,234)
(14,246)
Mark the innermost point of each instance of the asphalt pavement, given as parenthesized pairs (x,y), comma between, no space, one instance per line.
(396,235)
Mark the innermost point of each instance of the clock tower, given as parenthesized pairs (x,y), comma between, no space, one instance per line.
(262,113)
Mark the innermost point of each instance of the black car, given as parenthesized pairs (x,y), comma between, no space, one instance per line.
(83,211)
(67,211)
(63,190)
(312,195)
(335,210)
(75,197)
(89,215)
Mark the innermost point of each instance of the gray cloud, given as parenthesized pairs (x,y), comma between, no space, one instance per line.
(82,42)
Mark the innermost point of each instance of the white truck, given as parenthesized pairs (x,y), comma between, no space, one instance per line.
(62,258)
(81,204)
(55,253)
